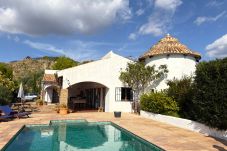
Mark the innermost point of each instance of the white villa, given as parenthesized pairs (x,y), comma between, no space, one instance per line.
(96,84)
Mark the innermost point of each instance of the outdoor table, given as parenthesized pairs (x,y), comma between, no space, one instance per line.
(22,106)
(78,102)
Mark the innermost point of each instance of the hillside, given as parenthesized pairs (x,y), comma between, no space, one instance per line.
(30,71)
(31,65)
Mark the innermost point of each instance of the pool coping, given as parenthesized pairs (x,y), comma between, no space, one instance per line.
(12,138)
(140,138)
(106,122)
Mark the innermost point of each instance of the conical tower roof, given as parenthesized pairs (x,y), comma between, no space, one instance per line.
(169,45)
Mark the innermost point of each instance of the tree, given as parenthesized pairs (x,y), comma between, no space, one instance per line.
(32,82)
(210,100)
(7,87)
(139,77)
(6,95)
(63,63)
(181,90)
(6,70)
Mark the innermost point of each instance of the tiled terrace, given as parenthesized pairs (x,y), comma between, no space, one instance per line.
(163,135)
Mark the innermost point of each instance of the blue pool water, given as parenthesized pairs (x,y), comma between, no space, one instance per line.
(77,135)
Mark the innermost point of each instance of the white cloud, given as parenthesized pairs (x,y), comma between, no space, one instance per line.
(160,19)
(132,36)
(44,47)
(218,48)
(156,25)
(11,37)
(139,12)
(169,5)
(202,19)
(215,3)
(44,17)
(16,39)
(79,50)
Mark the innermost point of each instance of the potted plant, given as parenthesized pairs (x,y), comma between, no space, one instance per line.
(39,102)
(63,110)
(57,108)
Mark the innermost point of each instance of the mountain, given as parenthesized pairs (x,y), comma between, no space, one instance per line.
(30,65)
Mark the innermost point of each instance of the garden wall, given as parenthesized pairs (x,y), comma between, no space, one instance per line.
(186,124)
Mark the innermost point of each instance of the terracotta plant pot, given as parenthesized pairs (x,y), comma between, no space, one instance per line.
(39,104)
(63,111)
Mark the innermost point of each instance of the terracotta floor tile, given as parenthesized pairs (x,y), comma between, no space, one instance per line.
(161,134)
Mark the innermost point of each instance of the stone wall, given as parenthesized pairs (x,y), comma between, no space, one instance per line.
(63,96)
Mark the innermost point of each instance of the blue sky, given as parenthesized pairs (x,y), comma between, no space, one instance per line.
(88,29)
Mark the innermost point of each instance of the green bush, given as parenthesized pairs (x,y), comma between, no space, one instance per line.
(181,90)
(158,102)
(7,85)
(6,70)
(63,63)
(5,95)
(32,81)
(210,100)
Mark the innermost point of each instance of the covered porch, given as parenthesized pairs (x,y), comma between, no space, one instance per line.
(87,96)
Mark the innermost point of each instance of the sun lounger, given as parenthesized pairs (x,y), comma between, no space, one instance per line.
(5,117)
(9,112)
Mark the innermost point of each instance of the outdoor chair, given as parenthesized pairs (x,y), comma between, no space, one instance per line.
(9,112)
(5,117)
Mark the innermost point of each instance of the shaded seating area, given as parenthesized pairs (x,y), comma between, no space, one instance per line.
(87,96)
(22,106)
(9,113)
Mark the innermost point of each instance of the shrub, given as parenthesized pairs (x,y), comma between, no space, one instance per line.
(7,87)
(181,90)
(211,93)
(39,102)
(32,81)
(138,76)
(158,102)
(5,95)
(63,63)
(6,70)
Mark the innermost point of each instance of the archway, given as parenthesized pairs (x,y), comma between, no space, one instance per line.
(87,96)
(51,94)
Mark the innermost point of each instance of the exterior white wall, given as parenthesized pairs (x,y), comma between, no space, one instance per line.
(177,64)
(124,106)
(48,95)
(106,72)
(51,71)
(186,124)
(48,92)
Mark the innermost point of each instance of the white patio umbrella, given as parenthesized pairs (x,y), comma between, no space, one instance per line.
(21,92)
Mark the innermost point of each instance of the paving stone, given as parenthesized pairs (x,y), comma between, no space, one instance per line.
(161,134)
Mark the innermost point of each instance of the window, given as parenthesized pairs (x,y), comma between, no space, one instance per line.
(123,94)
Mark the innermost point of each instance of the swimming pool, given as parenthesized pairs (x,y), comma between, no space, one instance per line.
(77,135)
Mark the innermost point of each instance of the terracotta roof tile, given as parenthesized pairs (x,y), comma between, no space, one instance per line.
(49,78)
(169,45)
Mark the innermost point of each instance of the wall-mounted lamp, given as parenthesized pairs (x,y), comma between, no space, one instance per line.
(68,82)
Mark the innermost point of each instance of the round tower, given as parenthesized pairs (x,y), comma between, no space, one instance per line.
(178,58)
